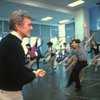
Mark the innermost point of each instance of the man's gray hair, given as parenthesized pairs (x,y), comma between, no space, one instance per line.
(17,17)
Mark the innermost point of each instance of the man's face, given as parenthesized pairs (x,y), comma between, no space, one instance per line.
(74,45)
(26,28)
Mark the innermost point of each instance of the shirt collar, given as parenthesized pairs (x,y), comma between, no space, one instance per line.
(16,34)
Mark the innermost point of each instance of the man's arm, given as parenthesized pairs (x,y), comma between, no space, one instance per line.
(88,40)
(72,61)
(65,60)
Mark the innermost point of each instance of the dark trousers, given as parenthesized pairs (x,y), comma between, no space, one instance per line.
(37,61)
(74,76)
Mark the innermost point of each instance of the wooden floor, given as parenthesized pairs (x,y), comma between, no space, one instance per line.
(53,86)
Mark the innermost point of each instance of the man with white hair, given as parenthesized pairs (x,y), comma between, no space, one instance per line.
(13,73)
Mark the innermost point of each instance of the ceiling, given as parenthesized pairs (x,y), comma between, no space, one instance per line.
(38,9)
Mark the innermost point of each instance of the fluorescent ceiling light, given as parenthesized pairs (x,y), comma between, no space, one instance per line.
(46,18)
(76,3)
(63,21)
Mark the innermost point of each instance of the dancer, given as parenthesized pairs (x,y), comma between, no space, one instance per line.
(95,48)
(80,53)
(31,54)
(34,53)
(51,52)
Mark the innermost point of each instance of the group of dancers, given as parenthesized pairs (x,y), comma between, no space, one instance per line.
(75,59)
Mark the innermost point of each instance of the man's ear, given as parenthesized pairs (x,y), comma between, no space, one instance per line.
(18,26)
